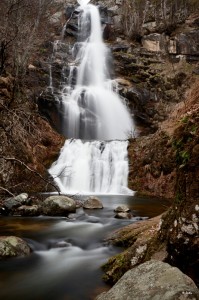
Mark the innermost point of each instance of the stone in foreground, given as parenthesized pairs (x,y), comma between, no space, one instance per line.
(58,206)
(12,246)
(152,280)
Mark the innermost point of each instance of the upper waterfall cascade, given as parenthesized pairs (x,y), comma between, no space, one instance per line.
(83,2)
(92,110)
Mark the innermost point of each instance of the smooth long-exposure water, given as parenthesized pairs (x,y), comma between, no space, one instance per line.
(67,253)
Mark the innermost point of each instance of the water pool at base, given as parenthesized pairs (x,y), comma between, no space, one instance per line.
(67,252)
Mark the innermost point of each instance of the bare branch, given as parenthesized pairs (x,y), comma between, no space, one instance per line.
(7,191)
(31,170)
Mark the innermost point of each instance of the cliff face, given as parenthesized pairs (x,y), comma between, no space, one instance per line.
(28,143)
(172,237)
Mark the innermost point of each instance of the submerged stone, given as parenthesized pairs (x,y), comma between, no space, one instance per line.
(123,215)
(92,203)
(122,208)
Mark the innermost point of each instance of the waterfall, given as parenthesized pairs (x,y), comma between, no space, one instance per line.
(92,167)
(92,111)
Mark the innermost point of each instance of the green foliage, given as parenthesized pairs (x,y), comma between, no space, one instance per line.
(43,50)
(182,155)
(184,119)
(183,158)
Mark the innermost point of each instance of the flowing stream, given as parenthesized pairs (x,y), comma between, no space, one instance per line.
(67,252)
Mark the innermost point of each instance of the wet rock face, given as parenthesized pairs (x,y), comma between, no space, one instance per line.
(58,206)
(12,246)
(71,15)
(185,43)
(49,106)
(153,280)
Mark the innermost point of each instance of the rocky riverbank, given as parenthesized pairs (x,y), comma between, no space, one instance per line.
(174,236)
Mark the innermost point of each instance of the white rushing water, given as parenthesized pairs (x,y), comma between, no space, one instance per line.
(92,111)
(92,167)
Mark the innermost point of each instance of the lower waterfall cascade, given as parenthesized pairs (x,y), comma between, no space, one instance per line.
(92,167)
(95,119)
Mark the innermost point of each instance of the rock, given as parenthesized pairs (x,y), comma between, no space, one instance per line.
(123,82)
(150,26)
(113,10)
(185,43)
(120,47)
(12,246)
(62,244)
(154,42)
(32,67)
(48,105)
(56,18)
(15,202)
(58,206)
(123,215)
(122,208)
(152,280)
(92,203)
(141,101)
(5,82)
(26,210)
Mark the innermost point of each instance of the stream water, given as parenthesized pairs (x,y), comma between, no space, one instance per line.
(67,253)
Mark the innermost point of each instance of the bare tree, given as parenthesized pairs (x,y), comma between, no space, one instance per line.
(19,26)
(166,13)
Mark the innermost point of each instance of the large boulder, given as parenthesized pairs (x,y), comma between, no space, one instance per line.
(92,203)
(58,206)
(12,246)
(150,281)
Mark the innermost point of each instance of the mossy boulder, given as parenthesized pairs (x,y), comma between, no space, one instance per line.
(12,246)
(153,280)
(58,206)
